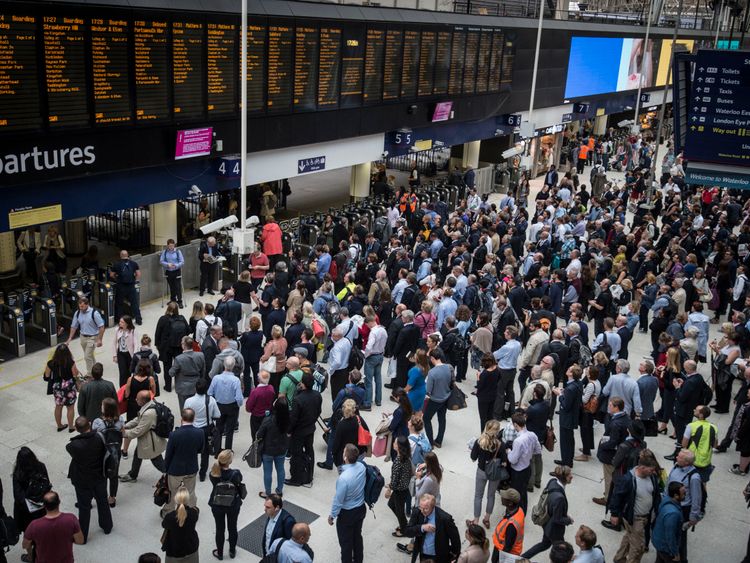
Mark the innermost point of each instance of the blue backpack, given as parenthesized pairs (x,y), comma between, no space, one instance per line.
(374,483)
(421,447)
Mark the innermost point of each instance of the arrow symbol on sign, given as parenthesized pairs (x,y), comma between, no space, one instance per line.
(692,127)
(700,79)
(697,98)
(701,69)
(694,118)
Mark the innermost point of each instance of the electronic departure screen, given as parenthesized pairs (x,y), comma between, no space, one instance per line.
(70,70)
(496,60)
(151,70)
(256,67)
(65,71)
(374,64)
(110,71)
(456,74)
(410,69)
(187,69)
(470,60)
(483,61)
(392,73)
(427,63)
(442,63)
(352,66)
(329,65)
(306,68)
(222,68)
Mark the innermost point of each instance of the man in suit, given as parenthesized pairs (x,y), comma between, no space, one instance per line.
(558,347)
(206,252)
(210,344)
(302,419)
(435,534)
(621,325)
(616,429)
(94,392)
(183,448)
(393,331)
(404,348)
(229,310)
(689,395)
(279,522)
(85,472)
(570,413)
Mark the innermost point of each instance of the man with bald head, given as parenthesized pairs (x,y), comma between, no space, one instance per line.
(150,446)
(296,549)
(689,394)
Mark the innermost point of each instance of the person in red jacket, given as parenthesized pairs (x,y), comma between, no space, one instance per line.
(271,240)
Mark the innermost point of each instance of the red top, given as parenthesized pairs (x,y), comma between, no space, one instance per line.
(53,537)
(272,239)
(260,400)
(259,260)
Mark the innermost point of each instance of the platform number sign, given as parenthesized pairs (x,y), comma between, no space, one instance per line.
(401,138)
(513,120)
(229,167)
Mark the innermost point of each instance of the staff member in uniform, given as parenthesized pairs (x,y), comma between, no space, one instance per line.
(90,323)
(126,273)
(206,251)
(172,261)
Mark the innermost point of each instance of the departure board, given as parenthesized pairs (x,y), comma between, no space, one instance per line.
(65,71)
(496,60)
(151,70)
(187,70)
(256,67)
(410,68)
(427,63)
(222,68)
(352,66)
(374,66)
(305,68)
(456,75)
(442,63)
(328,67)
(392,67)
(110,71)
(483,61)
(470,60)
(509,54)
(19,85)
(280,44)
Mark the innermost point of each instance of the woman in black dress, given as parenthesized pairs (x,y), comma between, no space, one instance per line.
(141,380)
(30,484)
(225,508)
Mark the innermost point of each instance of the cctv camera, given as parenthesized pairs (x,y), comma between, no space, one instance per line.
(219,224)
(194,191)
(625,123)
(511,152)
(384,155)
(251,221)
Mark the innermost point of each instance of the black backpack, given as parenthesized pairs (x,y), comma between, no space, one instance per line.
(9,534)
(112,439)
(356,357)
(178,327)
(604,346)
(164,420)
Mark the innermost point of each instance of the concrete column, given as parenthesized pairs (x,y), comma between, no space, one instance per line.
(163,222)
(359,186)
(471,154)
(76,237)
(600,125)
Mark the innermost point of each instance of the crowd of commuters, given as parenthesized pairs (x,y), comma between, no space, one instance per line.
(496,294)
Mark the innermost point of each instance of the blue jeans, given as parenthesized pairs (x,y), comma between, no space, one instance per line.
(268,463)
(373,368)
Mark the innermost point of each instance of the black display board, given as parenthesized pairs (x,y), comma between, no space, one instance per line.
(329,66)
(392,70)
(374,65)
(151,56)
(222,68)
(280,67)
(306,67)
(456,73)
(427,55)
(64,41)
(442,62)
(352,65)
(496,60)
(410,66)
(470,60)
(483,61)
(257,34)
(111,71)
(187,69)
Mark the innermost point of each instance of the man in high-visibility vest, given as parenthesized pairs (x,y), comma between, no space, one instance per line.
(701,437)
(508,534)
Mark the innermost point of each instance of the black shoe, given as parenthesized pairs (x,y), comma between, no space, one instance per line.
(211,292)
(366,408)
(202,478)
(558,462)
(181,305)
(324,465)
(200,294)
(388,385)
(403,548)
(437,444)
(610,526)
(670,457)
(720,450)
(291,483)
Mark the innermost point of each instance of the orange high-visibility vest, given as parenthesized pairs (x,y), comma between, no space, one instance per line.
(498,538)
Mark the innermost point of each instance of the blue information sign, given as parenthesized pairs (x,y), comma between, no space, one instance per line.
(718,124)
(311,164)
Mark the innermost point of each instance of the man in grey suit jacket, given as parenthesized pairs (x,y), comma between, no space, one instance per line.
(186,370)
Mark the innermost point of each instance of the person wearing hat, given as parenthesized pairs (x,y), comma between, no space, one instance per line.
(557,509)
(508,534)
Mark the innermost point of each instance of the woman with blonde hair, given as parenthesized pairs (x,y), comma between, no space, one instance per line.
(180,540)
(225,501)
(670,370)
(485,449)
(55,247)
(347,431)
(276,347)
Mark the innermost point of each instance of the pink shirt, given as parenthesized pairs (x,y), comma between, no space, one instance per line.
(53,537)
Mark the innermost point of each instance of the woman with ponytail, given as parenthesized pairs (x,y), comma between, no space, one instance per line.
(479,546)
(225,501)
(180,540)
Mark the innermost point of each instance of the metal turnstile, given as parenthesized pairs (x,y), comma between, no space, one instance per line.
(12,335)
(67,303)
(103,298)
(42,325)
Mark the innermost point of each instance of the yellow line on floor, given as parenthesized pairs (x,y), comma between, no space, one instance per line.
(29,378)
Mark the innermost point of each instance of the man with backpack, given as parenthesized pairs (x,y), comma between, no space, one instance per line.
(616,429)
(685,473)
(348,509)
(149,428)
(87,451)
(551,511)
(94,392)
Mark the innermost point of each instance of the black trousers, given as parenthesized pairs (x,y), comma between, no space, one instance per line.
(230,414)
(127,292)
(727,441)
(543,545)
(485,413)
(299,445)
(505,394)
(174,281)
(662,557)
(225,519)
(255,422)
(29,257)
(567,446)
(157,462)
(84,495)
(397,503)
(208,273)
(519,480)
(684,535)
(587,432)
(123,366)
(723,397)
(338,381)
(204,453)
(349,531)
(523,377)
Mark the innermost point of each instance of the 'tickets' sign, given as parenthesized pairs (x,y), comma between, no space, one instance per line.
(193,142)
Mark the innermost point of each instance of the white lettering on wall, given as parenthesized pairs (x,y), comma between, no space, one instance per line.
(37,160)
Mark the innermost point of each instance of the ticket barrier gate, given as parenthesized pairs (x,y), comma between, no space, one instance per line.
(71,290)
(12,332)
(42,324)
(103,299)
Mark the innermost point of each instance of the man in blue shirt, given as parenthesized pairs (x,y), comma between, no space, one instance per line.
(126,273)
(296,549)
(324,261)
(338,361)
(349,506)
(172,261)
(90,323)
(226,389)
(507,362)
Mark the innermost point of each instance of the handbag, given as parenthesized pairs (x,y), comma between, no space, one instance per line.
(254,454)
(364,438)
(213,436)
(713,304)
(592,405)
(495,470)
(270,364)
(318,330)
(457,399)
(385,425)
(550,440)
(122,401)
(161,491)
(380,447)
(9,535)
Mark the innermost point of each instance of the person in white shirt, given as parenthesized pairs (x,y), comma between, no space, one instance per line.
(373,353)
(198,403)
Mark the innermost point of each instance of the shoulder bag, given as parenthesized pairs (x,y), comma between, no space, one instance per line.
(213,435)
(550,440)
(495,469)
(254,454)
(270,364)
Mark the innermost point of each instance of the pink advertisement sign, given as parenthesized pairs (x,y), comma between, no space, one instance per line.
(193,142)
(442,111)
